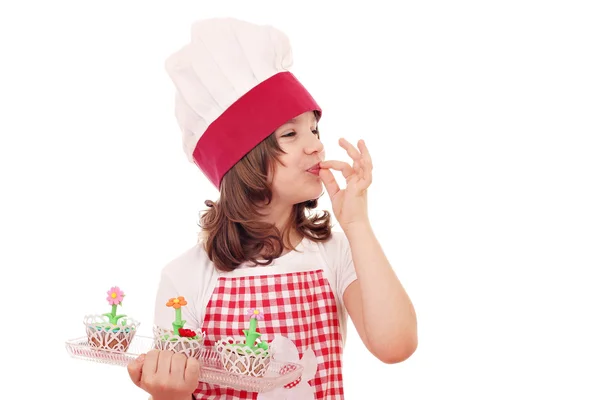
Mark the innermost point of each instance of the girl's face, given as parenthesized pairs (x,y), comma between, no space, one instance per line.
(296,177)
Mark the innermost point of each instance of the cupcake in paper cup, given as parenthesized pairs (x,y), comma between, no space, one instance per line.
(111,331)
(248,357)
(179,339)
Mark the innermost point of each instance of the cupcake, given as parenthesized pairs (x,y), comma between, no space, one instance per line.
(110,331)
(178,339)
(248,357)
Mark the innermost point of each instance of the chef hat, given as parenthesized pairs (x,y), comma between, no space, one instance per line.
(233,89)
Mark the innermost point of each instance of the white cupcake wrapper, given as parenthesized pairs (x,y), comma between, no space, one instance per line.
(242,359)
(165,339)
(104,335)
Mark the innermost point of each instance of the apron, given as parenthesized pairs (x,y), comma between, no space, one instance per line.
(299,306)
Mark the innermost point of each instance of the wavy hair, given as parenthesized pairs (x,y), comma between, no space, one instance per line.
(231,228)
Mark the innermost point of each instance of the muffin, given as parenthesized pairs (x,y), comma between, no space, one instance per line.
(248,357)
(178,339)
(110,331)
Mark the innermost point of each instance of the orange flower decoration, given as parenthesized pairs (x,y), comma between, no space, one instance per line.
(176,302)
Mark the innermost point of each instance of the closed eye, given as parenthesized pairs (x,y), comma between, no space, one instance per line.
(293,133)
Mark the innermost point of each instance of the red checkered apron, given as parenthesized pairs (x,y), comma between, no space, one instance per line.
(298,305)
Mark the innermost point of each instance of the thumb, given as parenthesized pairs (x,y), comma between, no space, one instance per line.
(135,369)
(331,185)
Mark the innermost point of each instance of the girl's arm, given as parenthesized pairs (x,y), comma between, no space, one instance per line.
(377,303)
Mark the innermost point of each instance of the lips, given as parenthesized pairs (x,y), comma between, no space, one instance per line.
(314,169)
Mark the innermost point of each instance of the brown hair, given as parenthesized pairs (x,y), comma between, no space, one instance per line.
(231,227)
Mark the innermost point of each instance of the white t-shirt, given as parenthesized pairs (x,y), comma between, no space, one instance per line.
(193,276)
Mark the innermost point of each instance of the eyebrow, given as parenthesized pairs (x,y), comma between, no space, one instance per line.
(295,120)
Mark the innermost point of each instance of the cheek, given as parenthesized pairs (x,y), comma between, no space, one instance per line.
(279,177)
(288,167)
(284,177)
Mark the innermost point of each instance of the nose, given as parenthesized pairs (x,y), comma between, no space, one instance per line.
(313,145)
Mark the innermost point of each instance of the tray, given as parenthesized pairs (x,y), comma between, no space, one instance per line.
(278,374)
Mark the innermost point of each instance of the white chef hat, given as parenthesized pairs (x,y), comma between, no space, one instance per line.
(233,89)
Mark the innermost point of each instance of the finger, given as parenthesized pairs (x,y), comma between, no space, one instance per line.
(368,174)
(329,181)
(341,166)
(192,373)
(365,171)
(164,362)
(178,362)
(365,153)
(353,153)
(135,369)
(361,171)
(150,365)
(350,149)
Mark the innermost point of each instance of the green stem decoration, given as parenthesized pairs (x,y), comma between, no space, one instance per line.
(178,323)
(251,334)
(113,318)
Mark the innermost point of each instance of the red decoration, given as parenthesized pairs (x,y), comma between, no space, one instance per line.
(186,332)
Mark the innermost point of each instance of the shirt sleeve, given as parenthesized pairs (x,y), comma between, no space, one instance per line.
(346,272)
(339,259)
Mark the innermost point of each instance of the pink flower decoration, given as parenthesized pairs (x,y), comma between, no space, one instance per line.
(115,296)
(253,313)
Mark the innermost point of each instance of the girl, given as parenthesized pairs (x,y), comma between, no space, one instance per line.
(252,128)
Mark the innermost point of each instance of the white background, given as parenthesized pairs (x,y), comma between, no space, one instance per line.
(483,122)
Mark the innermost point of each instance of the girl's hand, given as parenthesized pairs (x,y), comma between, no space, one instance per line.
(165,375)
(349,204)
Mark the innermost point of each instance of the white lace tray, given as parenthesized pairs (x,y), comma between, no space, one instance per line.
(212,371)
